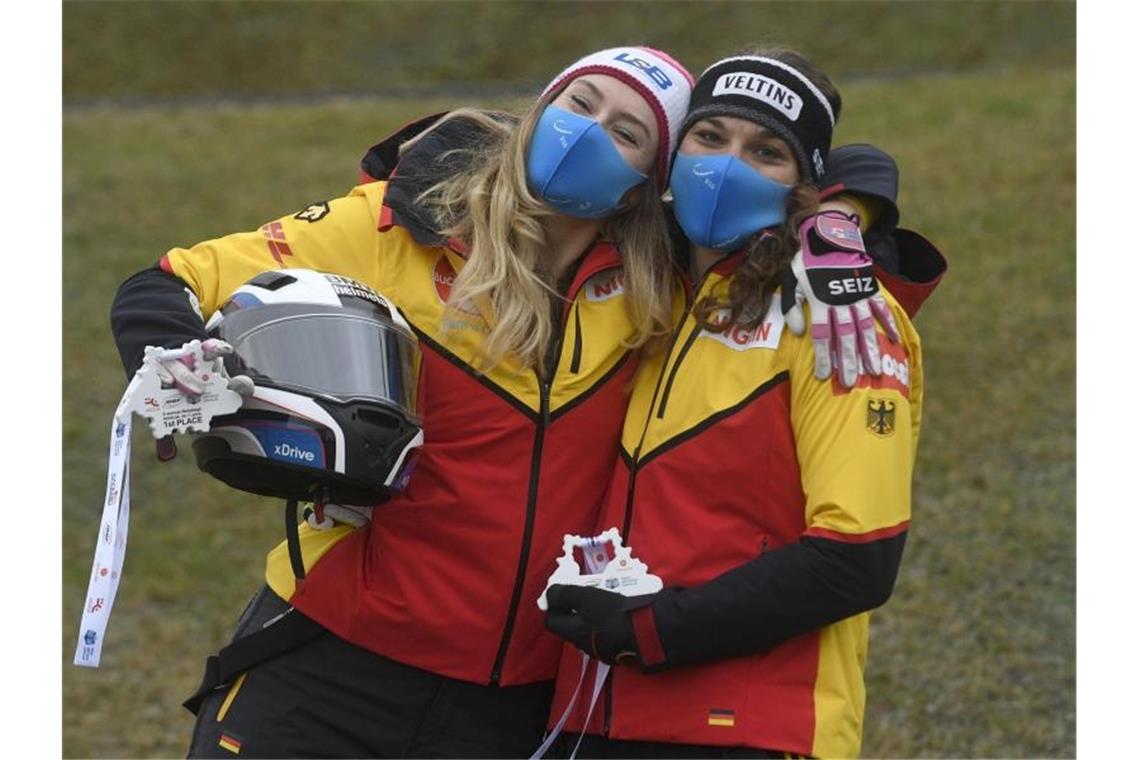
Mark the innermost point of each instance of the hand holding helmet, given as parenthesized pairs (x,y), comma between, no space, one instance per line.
(177,368)
(332,417)
(833,274)
(331,515)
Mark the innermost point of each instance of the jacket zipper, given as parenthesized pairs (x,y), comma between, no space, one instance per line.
(576,360)
(685,348)
(677,365)
(532,492)
(627,524)
(528,528)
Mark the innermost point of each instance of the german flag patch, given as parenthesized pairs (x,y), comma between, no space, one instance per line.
(228,742)
(725,718)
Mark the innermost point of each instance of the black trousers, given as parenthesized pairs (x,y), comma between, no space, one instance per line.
(330,698)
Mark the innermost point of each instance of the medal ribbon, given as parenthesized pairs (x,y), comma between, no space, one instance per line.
(596,558)
(111,544)
(599,681)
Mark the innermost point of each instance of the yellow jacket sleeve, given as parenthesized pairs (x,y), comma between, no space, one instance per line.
(856,448)
(340,236)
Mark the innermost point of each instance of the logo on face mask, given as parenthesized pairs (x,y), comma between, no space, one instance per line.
(574,166)
(704,174)
(720,201)
(564,142)
(655,73)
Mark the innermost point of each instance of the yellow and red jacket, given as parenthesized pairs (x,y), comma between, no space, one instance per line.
(774,507)
(445,576)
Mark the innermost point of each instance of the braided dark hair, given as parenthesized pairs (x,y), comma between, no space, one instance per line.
(755,281)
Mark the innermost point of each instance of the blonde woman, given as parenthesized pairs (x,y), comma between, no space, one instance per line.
(532,263)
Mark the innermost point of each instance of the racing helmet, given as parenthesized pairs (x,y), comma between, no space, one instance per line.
(332,416)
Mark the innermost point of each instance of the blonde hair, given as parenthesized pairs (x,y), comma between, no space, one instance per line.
(491,210)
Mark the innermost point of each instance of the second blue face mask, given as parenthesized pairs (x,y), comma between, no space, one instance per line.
(573,165)
(720,201)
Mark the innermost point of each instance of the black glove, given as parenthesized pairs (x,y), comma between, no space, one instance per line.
(595,621)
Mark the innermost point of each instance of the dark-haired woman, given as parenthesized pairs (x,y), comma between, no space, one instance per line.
(773,506)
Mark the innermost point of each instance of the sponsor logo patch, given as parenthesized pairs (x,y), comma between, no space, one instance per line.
(896,371)
(442,278)
(604,286)
(314,212)
(90,636)
(344,286)
(274,235)
(881,417)
(852,285)
(289,445)
(650,70)
(288,451)
(759,87)
(764,335)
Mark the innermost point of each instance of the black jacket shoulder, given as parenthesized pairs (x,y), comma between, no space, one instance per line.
(444,147)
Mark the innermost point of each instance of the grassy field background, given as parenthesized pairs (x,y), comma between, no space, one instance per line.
(186,121)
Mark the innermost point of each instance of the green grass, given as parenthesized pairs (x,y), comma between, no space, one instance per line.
(131,50)
(975,653)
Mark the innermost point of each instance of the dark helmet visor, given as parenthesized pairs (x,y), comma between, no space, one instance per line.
(335,352)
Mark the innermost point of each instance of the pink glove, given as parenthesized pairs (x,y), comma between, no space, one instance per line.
(833,274)
(180,372)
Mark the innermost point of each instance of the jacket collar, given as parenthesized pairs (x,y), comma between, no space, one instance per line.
(434,158)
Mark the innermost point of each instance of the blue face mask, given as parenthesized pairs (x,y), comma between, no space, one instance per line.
(720,201)
(573,165)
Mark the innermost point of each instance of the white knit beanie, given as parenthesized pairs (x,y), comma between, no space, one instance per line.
(664,83)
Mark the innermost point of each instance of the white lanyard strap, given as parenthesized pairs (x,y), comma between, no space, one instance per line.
(599,681)
(168,411)
(111,544)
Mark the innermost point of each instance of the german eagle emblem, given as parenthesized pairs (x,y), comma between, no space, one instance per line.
(881,417)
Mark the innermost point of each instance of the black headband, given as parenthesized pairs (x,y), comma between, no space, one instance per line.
(774,95)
